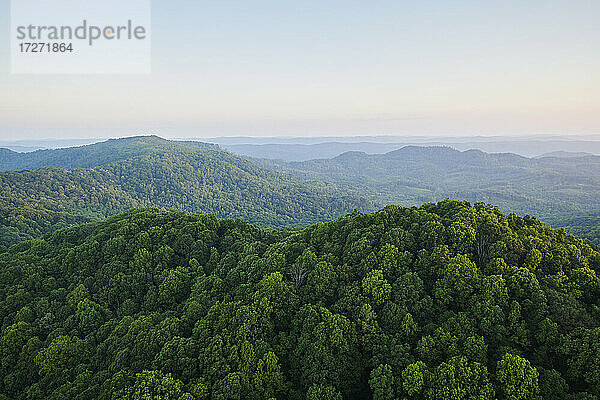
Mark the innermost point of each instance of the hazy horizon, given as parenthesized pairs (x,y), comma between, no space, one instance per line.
(374,138)
(301,148)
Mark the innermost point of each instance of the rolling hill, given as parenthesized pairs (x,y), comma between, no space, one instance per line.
(444,301)
(95,155)
(550,188)
(62,187)
(308,148)
(57,188)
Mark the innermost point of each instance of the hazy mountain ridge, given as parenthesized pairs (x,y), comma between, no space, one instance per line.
(94,155)
(565,154)
(305,149)
(149,171)
(546,187)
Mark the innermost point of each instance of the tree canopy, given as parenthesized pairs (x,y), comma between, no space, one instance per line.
(443,301)
(107,178)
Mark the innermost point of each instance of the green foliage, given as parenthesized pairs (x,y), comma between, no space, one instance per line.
(586,226)
(517,379)
(562,192)
(382,383)
(152,385)
(444,301)
(63,353)
(414,377)
(90,183)
(376,287)
(322,392)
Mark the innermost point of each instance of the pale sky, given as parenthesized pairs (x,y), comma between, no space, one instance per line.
(318,67)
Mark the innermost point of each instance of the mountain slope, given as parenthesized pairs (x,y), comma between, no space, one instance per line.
(546,187)
(154,172)
(93,155)
(307,148)
(437,302)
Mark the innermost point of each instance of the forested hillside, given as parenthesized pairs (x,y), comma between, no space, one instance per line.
(587,227)
(551,188)
(95,154)
(445,301)
(149,171)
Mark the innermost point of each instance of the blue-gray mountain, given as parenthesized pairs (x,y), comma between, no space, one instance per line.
(550,188)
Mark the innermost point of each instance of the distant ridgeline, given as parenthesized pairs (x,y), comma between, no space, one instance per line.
(94,155)
(551,188)
(45,190)
(445,301)
(50,189)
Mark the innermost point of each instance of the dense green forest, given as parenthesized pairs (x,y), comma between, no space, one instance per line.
(444,301)
(149,171)
(551,188)
(46,190)
(49,189)
(587,227)
(89,156)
